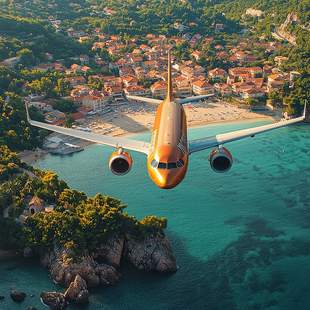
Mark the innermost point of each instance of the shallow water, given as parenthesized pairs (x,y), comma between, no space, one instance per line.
(241,239)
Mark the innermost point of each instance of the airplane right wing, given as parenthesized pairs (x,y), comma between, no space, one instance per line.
(117,142)
(220,139)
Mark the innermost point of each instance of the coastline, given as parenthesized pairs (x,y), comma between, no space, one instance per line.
(133,119)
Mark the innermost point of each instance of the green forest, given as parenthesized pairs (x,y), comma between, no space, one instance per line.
(78,222)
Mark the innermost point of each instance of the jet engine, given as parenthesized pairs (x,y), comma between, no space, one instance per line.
(120,162)
(220,159)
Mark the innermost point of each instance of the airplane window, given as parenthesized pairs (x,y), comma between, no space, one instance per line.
(162,166)
(180,163)
(154,163)
(172,165)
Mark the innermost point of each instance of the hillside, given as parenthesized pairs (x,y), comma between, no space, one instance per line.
(17,33)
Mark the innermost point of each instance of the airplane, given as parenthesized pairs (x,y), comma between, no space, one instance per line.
(168,152)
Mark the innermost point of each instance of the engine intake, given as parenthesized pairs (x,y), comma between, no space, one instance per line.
(120,162)
(220,160)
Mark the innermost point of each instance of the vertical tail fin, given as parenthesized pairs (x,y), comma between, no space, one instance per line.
(169,79)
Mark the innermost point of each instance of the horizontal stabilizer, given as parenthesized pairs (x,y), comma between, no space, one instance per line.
(144,99)
(194,98)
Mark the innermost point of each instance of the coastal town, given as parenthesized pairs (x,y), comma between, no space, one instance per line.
(96,84)
(235,241)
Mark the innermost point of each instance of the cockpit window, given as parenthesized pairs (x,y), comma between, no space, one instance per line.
(180,163)
(172,165)
(162,166)
(154,163)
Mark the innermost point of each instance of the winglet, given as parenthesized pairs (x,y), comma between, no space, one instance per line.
(305,109)
(169,79)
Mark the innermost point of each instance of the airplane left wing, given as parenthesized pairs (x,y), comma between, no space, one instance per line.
(117,142)
(214,141)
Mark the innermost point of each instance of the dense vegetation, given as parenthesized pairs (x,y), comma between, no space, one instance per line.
(38,37)
(15,130)
(77,223)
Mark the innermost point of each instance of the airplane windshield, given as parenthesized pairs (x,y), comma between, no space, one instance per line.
(162,166)
(172,165)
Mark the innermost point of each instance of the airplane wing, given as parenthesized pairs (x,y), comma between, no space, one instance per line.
(213,141)
(144,99)
(117,142)
(194,98)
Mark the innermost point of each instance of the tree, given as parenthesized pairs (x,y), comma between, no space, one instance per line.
(14,128)
(69,120)
(65,106)
(62,87)
(26,57)
(71,198)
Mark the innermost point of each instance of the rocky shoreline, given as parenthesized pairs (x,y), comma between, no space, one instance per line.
(79,273)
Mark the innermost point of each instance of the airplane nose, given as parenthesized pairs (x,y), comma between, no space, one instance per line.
(167,181)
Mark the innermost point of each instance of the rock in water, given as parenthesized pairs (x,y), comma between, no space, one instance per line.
(54,300)
(64,272)
(2,298)
(18,296)
(153,253)
(77,291)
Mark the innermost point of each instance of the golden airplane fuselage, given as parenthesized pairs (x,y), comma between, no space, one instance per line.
(168,157)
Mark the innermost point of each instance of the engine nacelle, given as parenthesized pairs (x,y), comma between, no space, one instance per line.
(220,160)
(120,162)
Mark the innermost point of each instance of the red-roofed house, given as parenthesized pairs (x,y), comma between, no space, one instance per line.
(135,90)
(95,100)
(223,89)
(253,93)
(275,82)
(129,80)
(75,80)
(159,89)
(136,59)
(183,86)
(196,54)
(217,74)
(202,87)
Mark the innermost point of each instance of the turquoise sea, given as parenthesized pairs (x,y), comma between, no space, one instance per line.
(242,239)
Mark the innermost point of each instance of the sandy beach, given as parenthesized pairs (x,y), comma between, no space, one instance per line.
(133,117)
(138,117)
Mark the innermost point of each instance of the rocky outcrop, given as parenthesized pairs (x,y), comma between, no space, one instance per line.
(54,300)
(77,274)
(153,253)
(64,270)
(111,251)
(18,296)
(77,291)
